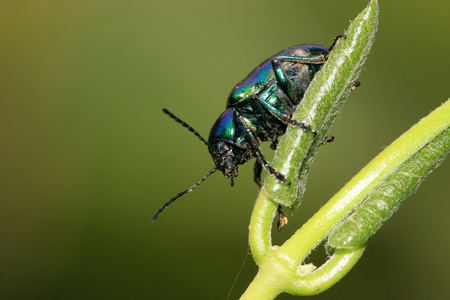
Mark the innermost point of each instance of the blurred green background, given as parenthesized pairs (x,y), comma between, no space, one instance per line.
(87,156)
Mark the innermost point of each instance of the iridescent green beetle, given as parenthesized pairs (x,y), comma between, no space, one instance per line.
(259,109)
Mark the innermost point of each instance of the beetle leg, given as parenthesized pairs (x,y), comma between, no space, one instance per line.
(264,162)
(281,76)
(328,139)
(256,106)
(282,218)
(285,118)
(269,168)
(336,40)
(313,59)
(282,80)
(355,85)
(274,144)
(257,168)
(254,145)
(303,126)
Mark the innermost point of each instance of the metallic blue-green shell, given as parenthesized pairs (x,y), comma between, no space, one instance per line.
(261,82)
(223,129)
(264,76)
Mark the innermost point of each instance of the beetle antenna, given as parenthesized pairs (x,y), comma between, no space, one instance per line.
(185,125)
(181,194)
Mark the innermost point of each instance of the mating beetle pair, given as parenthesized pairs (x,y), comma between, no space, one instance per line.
(259,108)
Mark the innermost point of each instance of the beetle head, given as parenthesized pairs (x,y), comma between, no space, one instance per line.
(226,156)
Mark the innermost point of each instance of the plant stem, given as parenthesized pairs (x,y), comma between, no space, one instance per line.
(281,268)
(319,107)
(360,186)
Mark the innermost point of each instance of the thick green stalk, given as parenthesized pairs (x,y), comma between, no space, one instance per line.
(398,170)
(325,96)
(387,197)
(366,181)
(319,107)
(420,149)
